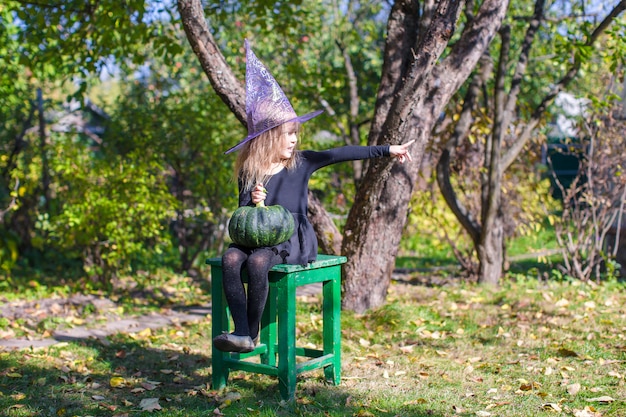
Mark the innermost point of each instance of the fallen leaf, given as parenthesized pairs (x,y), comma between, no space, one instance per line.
(108,406)
(603,399)
(117,381)
(586,412)
(143,334)
(230,398)
(414,402)
(148,386)
(364,413)
(149,404)
(573,389)
(552,407)
(16,406)
(406,349)
(562,303)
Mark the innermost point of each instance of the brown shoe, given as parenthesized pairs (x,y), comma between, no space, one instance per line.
(228,342)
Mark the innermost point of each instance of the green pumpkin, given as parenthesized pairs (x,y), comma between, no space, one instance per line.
(255,227)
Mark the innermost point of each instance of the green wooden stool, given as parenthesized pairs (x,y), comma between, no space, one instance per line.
(277,345)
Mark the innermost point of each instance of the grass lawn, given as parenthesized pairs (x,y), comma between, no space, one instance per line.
(529,348)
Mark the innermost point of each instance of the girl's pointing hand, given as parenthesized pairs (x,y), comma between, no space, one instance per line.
(401,152)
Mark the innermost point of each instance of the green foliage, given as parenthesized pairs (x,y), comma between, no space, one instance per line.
(615,52)
(431,227)
(8,250)
(112,210)
(74,37)
(15,106)
(167,118)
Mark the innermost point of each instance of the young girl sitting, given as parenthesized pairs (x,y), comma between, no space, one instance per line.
(271,169)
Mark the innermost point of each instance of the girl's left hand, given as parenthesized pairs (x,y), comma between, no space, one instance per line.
(401,152)
(258,193)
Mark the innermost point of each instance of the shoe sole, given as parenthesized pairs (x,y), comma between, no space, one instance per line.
(226,345)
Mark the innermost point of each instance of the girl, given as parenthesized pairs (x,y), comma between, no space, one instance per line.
(271,169)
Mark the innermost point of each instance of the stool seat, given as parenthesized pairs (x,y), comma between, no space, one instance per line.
(277,350)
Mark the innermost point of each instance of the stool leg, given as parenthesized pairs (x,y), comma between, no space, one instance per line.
(219,324)
(287,374)
(268,328)
(332,324)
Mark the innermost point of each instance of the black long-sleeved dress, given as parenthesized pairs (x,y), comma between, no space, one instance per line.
(289,188)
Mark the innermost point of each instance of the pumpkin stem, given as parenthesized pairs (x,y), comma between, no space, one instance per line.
(260,204)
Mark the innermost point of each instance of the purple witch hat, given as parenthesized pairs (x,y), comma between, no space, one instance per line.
(266,105)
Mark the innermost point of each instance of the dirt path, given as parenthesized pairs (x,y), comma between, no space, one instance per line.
(105,319)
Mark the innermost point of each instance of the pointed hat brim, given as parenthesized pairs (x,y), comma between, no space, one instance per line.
(298,119)
(267,106)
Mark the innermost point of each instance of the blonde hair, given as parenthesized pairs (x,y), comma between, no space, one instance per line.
(257,157)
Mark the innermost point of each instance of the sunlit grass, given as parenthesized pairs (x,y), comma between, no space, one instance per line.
(529,347)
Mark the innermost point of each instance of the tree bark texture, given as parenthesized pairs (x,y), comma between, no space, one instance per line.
(414,89)
(328,236)
(491,252)
(223,80)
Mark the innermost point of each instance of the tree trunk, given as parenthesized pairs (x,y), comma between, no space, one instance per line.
(328,236)
(415,87)
(221,76)
(43,149)
(491,253)
(372,237)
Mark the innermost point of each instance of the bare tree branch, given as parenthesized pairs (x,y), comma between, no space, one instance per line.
(222,78)
(510,155)
(460,133)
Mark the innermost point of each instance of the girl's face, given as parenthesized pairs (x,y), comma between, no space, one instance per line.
(289,139)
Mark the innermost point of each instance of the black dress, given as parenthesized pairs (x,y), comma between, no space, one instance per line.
(289,188)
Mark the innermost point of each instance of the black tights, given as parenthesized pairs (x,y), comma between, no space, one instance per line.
(247,313)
